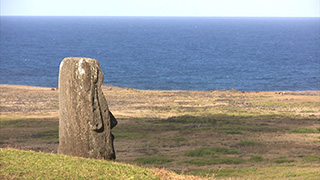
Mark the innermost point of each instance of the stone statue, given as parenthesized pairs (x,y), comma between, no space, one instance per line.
(85,121)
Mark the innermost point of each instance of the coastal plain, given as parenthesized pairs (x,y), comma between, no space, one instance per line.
(220,133)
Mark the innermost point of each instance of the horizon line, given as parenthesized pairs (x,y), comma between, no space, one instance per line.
(161,16)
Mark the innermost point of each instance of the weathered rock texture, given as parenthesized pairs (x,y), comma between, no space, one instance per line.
(85,121)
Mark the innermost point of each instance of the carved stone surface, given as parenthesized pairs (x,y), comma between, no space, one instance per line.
(85,121)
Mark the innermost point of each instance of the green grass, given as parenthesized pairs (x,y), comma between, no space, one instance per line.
(256,158)
(153,160)
(209,156)
(312,158)
(49,135)
(17,122)
(296,172)
(126,135)
(26,123)
(215,160)
(210,151)
(234,172)
(248,143)
(16,164)
(309,111)
(233,132)
(56,137)
(304,130)
(250,128)
(56,131)
(5,118)
(186,119)
(178,139)
(282,159)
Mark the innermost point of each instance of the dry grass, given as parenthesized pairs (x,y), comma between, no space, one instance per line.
(169,175)
(171,123)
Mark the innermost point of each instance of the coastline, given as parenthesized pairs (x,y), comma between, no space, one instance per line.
(126,102)
(106,86)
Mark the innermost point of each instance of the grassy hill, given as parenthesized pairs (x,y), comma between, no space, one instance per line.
(19,164)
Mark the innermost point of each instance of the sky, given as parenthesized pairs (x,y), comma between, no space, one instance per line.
(233,8)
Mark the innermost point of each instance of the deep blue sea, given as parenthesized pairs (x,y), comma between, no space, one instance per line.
(167,53)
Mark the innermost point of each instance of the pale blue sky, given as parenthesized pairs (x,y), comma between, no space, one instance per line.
(273,8)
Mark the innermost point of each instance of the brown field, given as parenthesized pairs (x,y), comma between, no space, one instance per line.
(181,130)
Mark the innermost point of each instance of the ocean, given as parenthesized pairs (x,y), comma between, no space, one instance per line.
(166,53)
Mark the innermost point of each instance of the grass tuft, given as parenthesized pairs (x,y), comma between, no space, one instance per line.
(153,160)
(309,111)
(216,160)
(178,139)
(56,131)
(282,159)
(303,130)
(233,132)
(312,158)
(256,158)
(186,119)
(248,143)
(126,135)
(210,151)
(50,137)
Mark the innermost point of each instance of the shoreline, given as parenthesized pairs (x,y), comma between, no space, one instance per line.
(106,86)
(124,102)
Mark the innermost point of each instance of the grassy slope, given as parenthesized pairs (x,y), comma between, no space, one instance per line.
(18,164)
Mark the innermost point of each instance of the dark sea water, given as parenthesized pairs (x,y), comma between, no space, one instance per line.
(249,54)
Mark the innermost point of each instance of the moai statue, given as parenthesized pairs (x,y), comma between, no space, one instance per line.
(85,121)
